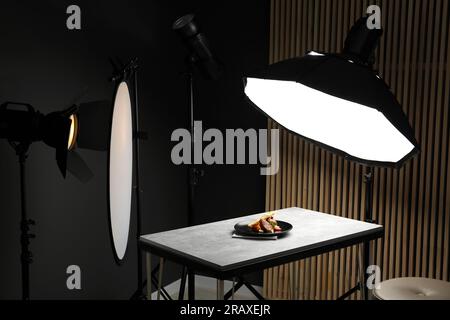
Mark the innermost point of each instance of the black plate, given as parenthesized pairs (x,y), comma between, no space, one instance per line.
(242,228)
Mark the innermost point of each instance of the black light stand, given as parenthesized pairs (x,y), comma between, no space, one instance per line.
(26,257)
(21,128)
(199,58)
(194,174)
(368,217)
(367,252)
(137,189)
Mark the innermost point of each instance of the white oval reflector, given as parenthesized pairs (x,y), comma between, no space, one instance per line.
(121,169)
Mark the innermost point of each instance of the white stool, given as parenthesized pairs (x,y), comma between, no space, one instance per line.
(413,289)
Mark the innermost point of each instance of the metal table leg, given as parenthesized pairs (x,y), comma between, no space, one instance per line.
(253,290)
(361,285)
(291,282)
(160,277)
(148,258)
(220,290)
(232,289)
(361,275)
(182,284)
(191,285)
(236,287)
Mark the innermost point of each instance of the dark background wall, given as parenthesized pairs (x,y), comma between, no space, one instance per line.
(45,64)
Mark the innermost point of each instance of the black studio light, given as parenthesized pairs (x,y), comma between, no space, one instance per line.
(337,101)
(340,103)
(200,54)
(22,125)
(77,127)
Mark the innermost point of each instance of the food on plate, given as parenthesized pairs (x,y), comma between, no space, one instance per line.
(265,224)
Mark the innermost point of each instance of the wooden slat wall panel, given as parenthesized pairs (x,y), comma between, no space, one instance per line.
(413,203)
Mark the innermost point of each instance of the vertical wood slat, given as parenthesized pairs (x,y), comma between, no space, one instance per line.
(445,202)
(413,203)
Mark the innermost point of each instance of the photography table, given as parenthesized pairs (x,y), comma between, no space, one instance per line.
(210,249)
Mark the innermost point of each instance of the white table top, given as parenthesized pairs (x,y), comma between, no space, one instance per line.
(213,243)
